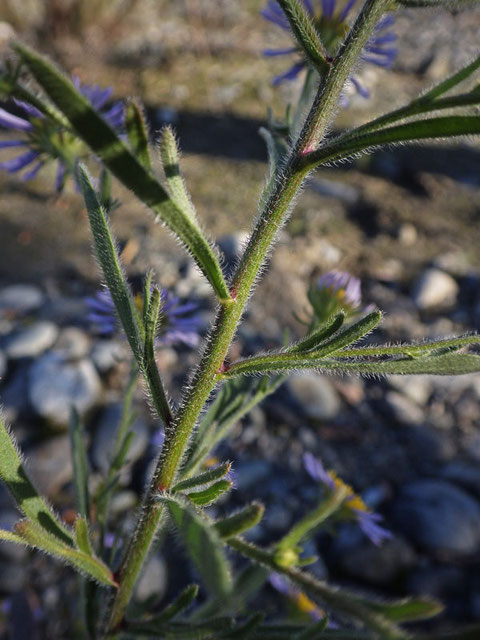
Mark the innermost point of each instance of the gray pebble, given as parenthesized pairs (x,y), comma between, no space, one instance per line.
(434,289)
(314,395)
(31,341)
(13,577)
(11,550)
(403,409)
(103,443)
(439,517)
(49,465)
(106,354)
(3,365)
(55,386)
(19,299)
(153,581)
(72,344)
(378,565)
(249,473)
(416,388)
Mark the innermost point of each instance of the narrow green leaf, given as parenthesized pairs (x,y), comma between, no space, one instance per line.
(9,536)
(147,293)
(412,350)
(408,610)
(469,633)
(444,365)
(181,602)
(239,522)
(149,365)
(289,360)
(25,494)
(171,165)
(428,129)
(305,34)
(119,460)
(80,464)
(203,545)
(210,494)
(216,473)
(245,629)
(450,82)
(114,153)
(87,565)
(106,252)
(317,336)
(137,133)
(82,537)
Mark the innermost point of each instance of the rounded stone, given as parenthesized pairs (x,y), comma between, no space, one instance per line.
(153,581)
(439,517)
(55,386)
(31,341)
(49,465)
(314,395)
(20,298)
(106,354)
(72,343)
(434,288)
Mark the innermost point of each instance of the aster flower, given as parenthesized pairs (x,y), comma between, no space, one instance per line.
(44,139)
(301,601)
(178,323)
(333,292)
(354,508)
(330,19)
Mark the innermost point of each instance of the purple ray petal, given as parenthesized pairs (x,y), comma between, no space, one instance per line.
(32,111)
(346,10)
(4,144)
(279,52)
(15,164)
(9,121)
(290,74)
(328,7)
(33,172)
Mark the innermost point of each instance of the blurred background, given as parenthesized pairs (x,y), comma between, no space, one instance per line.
(404,221)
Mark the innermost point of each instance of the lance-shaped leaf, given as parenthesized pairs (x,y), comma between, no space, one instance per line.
(25,494)
(203,545)
(86,564)
(317,336)
(314,631)
(156,623)
(116,155)
(412,350)
(81,536)
(207,477)
(452,81)
(292,359)
(210,494)
(149,365)
(80,464)
(244,630)
(305,33)
(409,609)
(428,129)
(171,166)
(107,255)
(137,133)
(239,522)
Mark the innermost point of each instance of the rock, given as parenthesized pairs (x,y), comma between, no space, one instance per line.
(3,365)
(15,392)
(13,577)
(463,474)
(437,581)
(10,550)
(378,565)
(153,580)
(19,299)
(249,473)
(56,385)
(429,446)
(434,288)
(106,354)
(439,517)
(72,344)
(233,244)
(335,189)
(403,410)
(313,395)
(416,388)
(49,465)
(31,341)
(123,501)
(106,431)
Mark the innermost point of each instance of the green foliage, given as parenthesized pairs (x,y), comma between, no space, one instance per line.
(202,543)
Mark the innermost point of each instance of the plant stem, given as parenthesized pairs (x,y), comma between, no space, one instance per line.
(275,211)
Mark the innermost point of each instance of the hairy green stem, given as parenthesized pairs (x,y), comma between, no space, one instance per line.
(208,374)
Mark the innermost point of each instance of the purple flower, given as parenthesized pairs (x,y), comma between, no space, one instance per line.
(178,323)
(329,18)
(46,140)
(333,292)
(353,507)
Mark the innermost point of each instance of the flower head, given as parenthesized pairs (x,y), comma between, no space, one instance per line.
(330,19)
(43,139)
(354,508)
(178,323)
(333,292)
